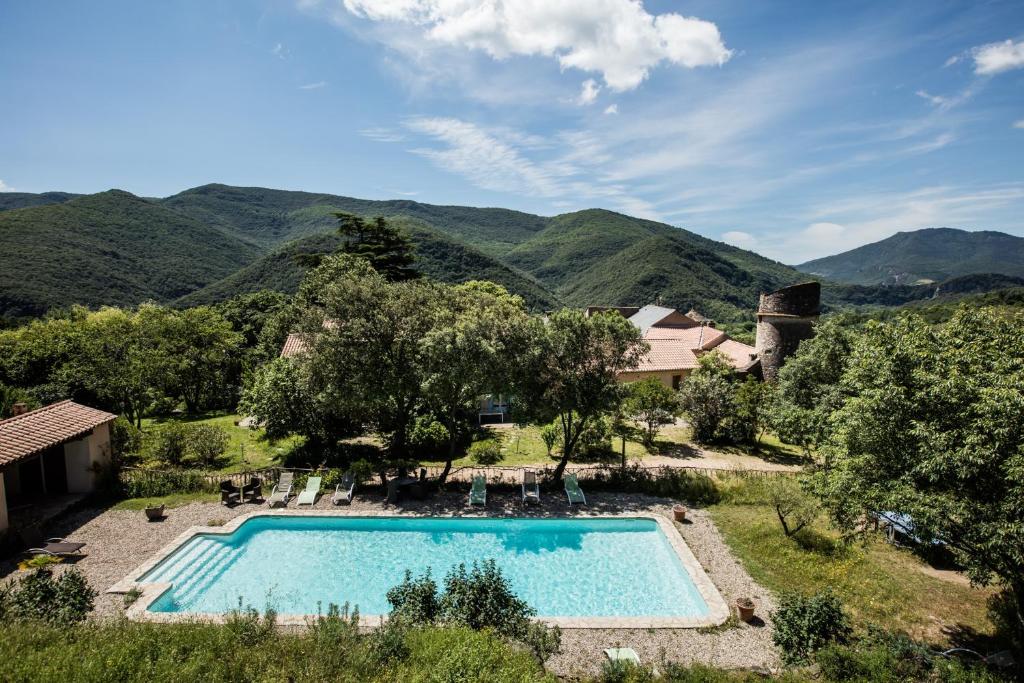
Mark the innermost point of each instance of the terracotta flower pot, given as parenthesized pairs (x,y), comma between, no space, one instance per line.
(679,513)
(745,609)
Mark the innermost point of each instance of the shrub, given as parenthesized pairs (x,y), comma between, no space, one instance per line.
(125,438)
(428,437)
(414,601)
(205,444)
(550,434)
(650,404)
(625,672)
(481,598)
(805,624)
(60,601)
(486,453)
(460,655)
(595,441)
(166,443)
(668,482)
(248,628)
(142,484)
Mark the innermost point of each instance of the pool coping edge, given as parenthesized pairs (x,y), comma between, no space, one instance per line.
(718,611)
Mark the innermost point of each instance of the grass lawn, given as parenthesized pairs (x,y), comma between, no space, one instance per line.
(173,500)
(247,449)
(879,584)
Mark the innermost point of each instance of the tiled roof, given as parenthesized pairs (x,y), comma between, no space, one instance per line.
(293,345)
(667,354)
(692,337)
(27,434)
(738,353)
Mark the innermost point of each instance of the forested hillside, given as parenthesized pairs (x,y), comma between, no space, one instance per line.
(212,242)
(929,255)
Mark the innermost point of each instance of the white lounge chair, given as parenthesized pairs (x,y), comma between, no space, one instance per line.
(283,491)
(531,489)
(343,492)
(312,490)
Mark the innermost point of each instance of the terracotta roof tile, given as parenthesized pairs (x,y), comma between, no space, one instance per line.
(667,354)
(34,431)
(293,345)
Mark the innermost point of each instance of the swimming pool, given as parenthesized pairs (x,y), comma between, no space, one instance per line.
(605,568)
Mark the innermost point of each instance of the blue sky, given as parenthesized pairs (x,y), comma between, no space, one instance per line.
(792,129)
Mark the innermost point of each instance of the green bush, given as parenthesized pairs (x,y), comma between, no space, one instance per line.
(550,434)
(429,438)
(125,438)
(805,624)
(460,655)
(668,482)
(595,441)
(166,443)
(61,601)
(414,601)
(205,444)
(486,453)
(142,484)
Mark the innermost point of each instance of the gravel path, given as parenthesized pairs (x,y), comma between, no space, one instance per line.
(120,540)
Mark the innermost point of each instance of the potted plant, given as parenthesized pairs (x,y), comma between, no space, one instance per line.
(745,608)
(155,513)
(679,512)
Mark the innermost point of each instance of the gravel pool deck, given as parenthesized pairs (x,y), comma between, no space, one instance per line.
(118,541)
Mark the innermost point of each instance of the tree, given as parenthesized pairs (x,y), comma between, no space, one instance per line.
(931,425)
(471,351)
(204,355)
(794,508)
(387,248)
(808,389)
(752,400)
(706,396)
(651,404)
(569,371)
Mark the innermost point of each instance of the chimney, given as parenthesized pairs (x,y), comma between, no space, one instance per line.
(19,408)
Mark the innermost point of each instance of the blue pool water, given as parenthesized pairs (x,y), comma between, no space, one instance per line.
(561,567)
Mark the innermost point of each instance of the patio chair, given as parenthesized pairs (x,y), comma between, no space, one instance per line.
(573,491)
(308,496)
(283,491)
(343,491)
(622,655)
(58,547)
(531,489)
(478,493)
(253,491)
(229,493)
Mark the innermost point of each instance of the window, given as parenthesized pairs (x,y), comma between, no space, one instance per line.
(676,379)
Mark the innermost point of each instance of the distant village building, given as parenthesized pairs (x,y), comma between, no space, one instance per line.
(51,452)
(785,318)
(676,343)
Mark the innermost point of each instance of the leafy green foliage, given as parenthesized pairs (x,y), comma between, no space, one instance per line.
(651,404)
(569,373)
(805,624)
(706,397)
(794,507)
(205,444)
(486,453)
(931,424)
(39,596)
(387,248)
(415,601)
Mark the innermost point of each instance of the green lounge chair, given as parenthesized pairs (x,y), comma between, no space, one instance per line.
(308,497)
(573,491)
(283,490)
(478,494)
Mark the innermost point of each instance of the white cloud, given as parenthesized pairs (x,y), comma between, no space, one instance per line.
(589,91)
(822,231)
(1018,124)
(998,57)
(951,61)
(313,86)
(741,239)
(611,109)
(280,51)
(4,187)
(618,39)
(382,134)
(937,100)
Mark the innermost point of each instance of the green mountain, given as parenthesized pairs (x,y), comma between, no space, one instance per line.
(108,248)
(23,200)
(273,217)
(437,256)
(930,255)
(212,242)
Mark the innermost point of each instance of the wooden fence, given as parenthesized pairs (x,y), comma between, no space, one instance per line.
(496,475)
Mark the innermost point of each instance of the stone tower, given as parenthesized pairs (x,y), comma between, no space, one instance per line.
(785,317)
